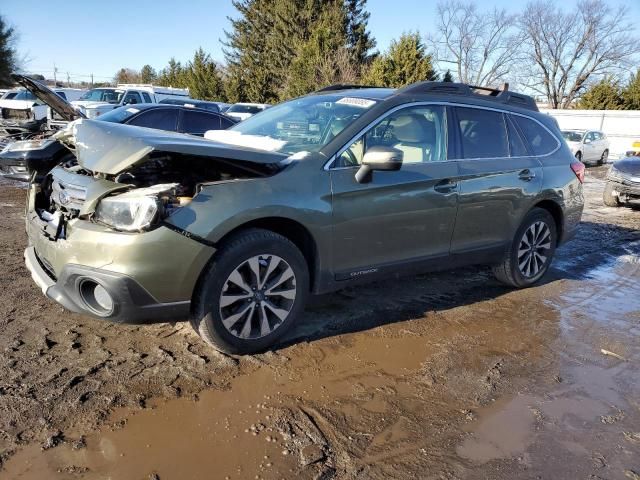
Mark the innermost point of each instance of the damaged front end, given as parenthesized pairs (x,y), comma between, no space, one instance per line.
(130,179)
(102,217)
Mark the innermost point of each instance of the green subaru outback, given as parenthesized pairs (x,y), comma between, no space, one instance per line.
(344,185)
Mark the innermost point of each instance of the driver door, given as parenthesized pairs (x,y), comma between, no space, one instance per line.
(398,216)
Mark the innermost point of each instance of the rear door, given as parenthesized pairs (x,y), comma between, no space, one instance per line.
(499,177)
(197,123)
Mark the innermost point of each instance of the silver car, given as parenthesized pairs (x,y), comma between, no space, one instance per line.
(588,146)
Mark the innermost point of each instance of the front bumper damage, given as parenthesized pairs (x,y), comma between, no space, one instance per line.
(625,189)
(148,276)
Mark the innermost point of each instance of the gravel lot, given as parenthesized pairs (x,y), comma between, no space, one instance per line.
(443,376)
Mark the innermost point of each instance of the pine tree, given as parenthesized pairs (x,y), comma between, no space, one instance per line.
(447,77)
(7,54)
(406,61)
(604,95)
(279,48)
(148,74)
(359,39)
(631,93)
(203,77)
(172,75)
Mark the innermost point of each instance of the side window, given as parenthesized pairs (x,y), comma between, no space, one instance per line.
(62,94)
(226,123)
(597,136)
(516,144)
(196,123)
(160,118)
(483,133)
(147,98)
(131,98)
(540,140)
(418,132)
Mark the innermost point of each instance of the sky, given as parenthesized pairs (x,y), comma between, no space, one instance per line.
(83,37)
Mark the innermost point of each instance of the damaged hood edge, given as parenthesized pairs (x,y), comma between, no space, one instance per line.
(105,147)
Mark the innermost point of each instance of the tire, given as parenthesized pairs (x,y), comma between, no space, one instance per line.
(579,156)
(604,157)
(608,198)
(245,308)
(509,271)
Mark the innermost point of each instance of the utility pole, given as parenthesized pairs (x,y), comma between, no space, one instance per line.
(55,79)
(68,80)
(92,80)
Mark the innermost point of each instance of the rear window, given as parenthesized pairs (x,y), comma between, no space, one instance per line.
(540,140)
(483,133)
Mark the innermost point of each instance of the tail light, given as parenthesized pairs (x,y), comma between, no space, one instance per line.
(578,169)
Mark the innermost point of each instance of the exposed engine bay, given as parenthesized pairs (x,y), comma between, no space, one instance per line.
(170,179)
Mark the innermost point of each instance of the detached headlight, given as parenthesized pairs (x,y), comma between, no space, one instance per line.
(136,209)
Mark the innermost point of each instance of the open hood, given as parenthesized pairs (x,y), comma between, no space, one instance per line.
(48,96)
(110,148)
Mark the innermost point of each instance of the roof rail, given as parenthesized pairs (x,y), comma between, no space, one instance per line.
(343,86)
(486,93)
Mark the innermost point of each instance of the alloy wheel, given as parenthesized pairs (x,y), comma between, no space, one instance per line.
(258,296)
(533,250)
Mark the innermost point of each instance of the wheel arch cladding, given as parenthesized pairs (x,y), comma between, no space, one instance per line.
(556,212)
(294,231)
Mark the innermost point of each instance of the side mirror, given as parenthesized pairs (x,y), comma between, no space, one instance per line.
(587,140)
(384,159)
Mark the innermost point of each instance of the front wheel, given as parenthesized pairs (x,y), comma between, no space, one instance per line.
(604,157)
(531,250)
(579,156)
(251,293)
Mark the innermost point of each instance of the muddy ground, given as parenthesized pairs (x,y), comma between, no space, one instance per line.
(443,376)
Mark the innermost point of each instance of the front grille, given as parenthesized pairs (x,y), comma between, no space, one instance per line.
(67,196)
(16,114)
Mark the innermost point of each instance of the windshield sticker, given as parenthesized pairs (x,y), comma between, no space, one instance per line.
(132,110)
(356,102)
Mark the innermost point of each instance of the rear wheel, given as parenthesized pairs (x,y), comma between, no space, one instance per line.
(608,197)
(252,292)
(579,156)
(531,250)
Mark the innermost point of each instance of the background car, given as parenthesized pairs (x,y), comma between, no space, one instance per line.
(20,159)
(623,179)
(588,146)
(242,111)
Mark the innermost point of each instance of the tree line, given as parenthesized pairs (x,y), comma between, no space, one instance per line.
(278,49)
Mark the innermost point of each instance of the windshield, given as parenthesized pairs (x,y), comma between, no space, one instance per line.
(118,115)
(24,95)
(572,136)
(108,95)
(244,109)
(302,125)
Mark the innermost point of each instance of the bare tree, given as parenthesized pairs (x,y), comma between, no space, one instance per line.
(481,46)
(337,67)
(563,51)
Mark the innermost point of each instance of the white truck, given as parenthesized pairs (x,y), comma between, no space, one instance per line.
(104,99)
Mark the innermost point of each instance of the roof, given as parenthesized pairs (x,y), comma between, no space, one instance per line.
(372,93)
(471,94)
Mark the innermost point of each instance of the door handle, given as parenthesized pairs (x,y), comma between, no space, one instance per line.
(445,186)
(526,175)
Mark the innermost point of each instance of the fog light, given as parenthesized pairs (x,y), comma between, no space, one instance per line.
(96,298)
(103,298)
